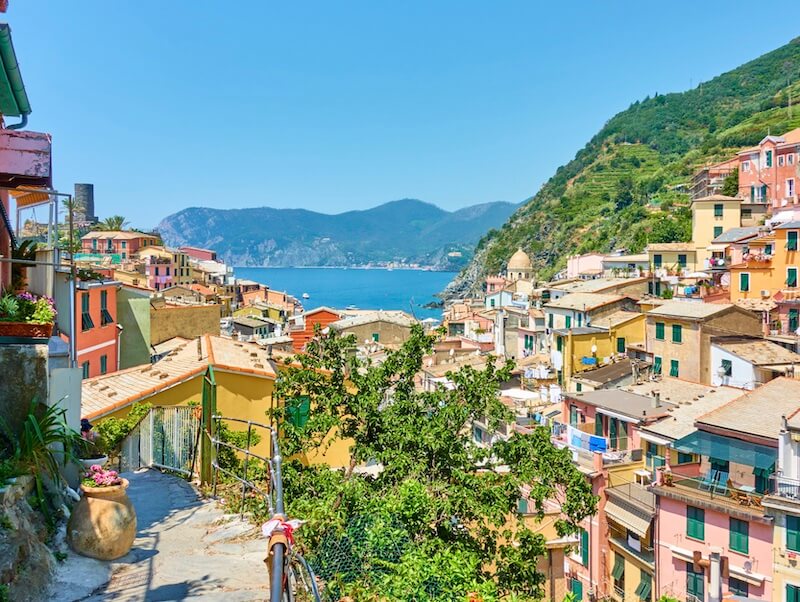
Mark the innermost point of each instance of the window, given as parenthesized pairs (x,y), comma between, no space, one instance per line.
(695,582)
(685,458)
(491,302)
(657,261)
(376,337)
(549,320)
(738,535)
(576,587)
(791,277)
(657,365)
(791,240)
(767,249)
(522,506)
(156,270)
(618,573)
(792,593)
(677,333)
(659,331)
(682,261)
(109,244)
(124,255)
(790,159)
(717,231)
(695,523)
(580,320)
(559,343)
(768,158)
(780,160)
(568,321)
(103,364)
(746,166)
(747,213)
(620,345)
(727,366)
(674,368)
(573,415)
(744,282)
(477,434)
(578,387)
(793,533)
(598,425)
(94,243)
(584,547)
(645,586)
(790,187)
(717,209)
(124,244)
(297,410)
(752,194)
(85,368)
(738,587)
(86,318)
(793,320)
(105,316)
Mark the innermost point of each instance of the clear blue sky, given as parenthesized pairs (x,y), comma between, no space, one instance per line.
(165,104)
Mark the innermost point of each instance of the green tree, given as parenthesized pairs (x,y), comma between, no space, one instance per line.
(730,187)
(115,222)
(445,507)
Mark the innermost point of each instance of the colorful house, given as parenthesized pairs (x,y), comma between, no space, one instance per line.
(711,216)
(122,244)
(303,331)
(97,333)
(768,172)
(679,335)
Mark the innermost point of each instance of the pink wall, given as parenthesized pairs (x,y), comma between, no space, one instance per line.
(579,264)
(671,531)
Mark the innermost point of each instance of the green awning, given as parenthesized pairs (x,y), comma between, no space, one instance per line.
(13,98)
(727,448)
(619,567)
(645,586)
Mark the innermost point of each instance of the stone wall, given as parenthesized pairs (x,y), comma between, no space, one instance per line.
(24,379)
(189,322)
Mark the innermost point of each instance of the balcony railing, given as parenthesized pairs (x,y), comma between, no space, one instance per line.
(636,547)
(785,487)
(715,487)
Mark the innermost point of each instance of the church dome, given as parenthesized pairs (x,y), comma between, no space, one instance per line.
(520,261)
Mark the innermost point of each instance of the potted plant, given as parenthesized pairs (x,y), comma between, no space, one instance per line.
(26,251)
(92,452)
(26,315)
(103,523)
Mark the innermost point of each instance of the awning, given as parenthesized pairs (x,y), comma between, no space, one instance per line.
(630,518)
(28,196)
(727,448)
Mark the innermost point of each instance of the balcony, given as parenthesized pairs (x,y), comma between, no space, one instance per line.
(783,491)
(635,547)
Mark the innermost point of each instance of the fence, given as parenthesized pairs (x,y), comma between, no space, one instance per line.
(166,438)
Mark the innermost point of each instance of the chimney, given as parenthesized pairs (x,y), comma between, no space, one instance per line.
(656,402)
(269,351)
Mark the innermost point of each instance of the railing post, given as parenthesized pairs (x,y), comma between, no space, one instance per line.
(246,462)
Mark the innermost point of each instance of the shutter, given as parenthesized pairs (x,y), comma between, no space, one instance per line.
(598,425)
(645,586)
(791,279)
(674,368)
(695,523)
(657,365)
(584,547)
(738,535)
(620,345)
(297,410)
(619,567)
(677,331)
(660,331)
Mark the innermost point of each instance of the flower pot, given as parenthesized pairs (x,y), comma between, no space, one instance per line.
(26,330)
(103,523)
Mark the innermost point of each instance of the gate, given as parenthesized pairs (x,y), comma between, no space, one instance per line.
(166,438)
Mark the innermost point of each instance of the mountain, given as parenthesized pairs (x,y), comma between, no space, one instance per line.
(628,186)
(407,231)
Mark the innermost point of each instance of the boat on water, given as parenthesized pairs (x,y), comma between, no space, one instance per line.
(306,296)
(351,307)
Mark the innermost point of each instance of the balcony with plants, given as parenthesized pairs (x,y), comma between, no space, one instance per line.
(26,316)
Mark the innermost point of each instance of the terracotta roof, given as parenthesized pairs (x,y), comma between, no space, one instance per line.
(606,374)
(105,394)
(756,304)
(758,352)
(758,412)
(203,290)
(690,310)
(583,301)
(716,198)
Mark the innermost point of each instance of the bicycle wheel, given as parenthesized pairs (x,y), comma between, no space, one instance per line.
(301,584)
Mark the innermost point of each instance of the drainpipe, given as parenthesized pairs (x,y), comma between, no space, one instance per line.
(715,576)
(20,125)
(119,343)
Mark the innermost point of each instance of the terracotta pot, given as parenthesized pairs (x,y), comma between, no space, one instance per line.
(103,523)
(25,330)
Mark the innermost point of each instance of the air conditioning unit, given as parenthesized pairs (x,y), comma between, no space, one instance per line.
(765,293)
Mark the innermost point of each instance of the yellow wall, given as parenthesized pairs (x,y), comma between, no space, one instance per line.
(704,221)
(669,259)
(579,346)
(784,570)
(769,275)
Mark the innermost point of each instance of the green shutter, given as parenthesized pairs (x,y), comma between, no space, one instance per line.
(569,321)
(584,547)
(752,194)
(682,261)
(695,523)
(718,210)
(792,593)
(103,364)
(522,506)
(549,320)
(619,567)
(660,331)
(656,365)
(620,345)
(298,410)
(791,277)
(791,240)
(794,316)
(744,282)
(695,582)
(598,425)
(578,387)
(738,535)
(727,365)
(657,261)
(717,231)
(577,589)
(769,158)
(674,368)
(645,586)
(559,343)
(677,333)
(793,533)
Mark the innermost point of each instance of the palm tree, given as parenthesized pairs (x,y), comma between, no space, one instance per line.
(115,222)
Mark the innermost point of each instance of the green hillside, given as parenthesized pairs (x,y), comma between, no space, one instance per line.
(627,186)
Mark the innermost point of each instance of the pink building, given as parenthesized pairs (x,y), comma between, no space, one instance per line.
(712,502)
(119,243)
(495,283)
(159,272)
(199,254)
(768,172)
(582,266)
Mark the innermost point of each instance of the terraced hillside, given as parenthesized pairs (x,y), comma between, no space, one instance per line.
(627,186)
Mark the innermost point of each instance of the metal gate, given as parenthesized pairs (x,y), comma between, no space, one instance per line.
(167,438)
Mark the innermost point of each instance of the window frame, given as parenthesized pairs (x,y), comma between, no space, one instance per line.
(794,190)
(677,333)
(738,535)
(105,315)
(744,288)
(793,533)
(746,166)
(719,209)
(86,317)
(661,329)
(658,364)
(104,364)
(791,240)
(718,230)
(728,365)
(695,517)
(740,588)
(674,368)
(791,282)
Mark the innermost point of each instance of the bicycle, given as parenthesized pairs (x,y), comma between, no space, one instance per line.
(291,577)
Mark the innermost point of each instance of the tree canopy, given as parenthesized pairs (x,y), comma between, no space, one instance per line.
(438,516)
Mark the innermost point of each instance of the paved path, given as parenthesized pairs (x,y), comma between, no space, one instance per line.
(185,549)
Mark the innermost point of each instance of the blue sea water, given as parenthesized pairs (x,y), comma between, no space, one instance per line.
(406,290)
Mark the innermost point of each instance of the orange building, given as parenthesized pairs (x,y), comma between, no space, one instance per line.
(321,316)
(97,333)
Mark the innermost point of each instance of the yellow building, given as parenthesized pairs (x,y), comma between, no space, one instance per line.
(771,266)
(245,383)
(679,335)
(583,349)
(711,216)
(673,257)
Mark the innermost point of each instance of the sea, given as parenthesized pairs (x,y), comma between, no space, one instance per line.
(373,288)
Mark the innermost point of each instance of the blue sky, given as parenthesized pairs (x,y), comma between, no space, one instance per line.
(343,105)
